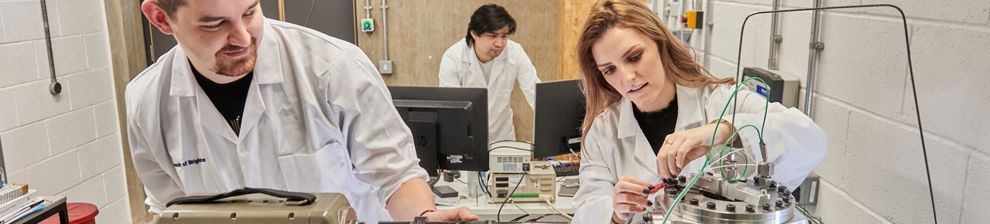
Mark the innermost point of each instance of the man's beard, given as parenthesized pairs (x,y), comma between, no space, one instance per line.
(227,67)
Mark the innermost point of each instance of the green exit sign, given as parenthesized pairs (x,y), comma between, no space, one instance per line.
(367,25)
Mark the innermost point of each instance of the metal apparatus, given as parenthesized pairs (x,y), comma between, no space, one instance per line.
(714,199)
(536,184)
(253,205)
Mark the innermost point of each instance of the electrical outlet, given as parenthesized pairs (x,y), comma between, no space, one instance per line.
(385,67)
(367,25)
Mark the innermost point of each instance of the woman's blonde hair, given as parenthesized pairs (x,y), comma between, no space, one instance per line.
(677,61)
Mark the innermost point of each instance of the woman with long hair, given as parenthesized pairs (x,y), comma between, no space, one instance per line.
(653,112)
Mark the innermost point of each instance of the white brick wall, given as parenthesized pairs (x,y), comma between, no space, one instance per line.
(975,205)
(874,171)
(67,145)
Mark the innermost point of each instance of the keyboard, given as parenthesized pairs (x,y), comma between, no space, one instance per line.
(566,170)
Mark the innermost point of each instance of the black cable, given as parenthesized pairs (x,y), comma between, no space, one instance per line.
(914,90)
(310,14)
(811,218)
(540,217)
(484,184)
(519,218)
(498,216)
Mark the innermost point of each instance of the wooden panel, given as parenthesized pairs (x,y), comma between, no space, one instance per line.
(128,59)
(572,20)
(420,31)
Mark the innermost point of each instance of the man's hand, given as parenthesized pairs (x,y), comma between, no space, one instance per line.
(455,214)
(680,148)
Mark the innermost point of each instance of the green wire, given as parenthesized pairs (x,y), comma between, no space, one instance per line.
(691,183)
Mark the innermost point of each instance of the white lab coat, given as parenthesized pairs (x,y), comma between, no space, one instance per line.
(460,67)
(318,118)
(615,146)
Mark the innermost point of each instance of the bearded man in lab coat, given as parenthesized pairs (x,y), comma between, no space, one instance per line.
(246,101)
(486,58)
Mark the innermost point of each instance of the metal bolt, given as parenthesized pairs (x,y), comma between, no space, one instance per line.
(818,45)
(787,199)
(766,206)
(781,189)
(780,204)
(730,208)
(693,201)
(750,208)
(711,205)
(647,217)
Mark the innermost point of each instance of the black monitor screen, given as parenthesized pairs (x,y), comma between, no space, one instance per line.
(449,125)
(559,111)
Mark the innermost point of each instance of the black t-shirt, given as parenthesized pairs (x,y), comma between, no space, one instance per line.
(657,125)
(228,98)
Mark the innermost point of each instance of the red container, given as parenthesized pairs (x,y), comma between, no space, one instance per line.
(79,213)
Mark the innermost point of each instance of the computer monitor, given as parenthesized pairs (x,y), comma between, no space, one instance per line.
(449,126)
(559,112)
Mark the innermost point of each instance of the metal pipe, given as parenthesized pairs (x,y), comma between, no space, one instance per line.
(281,10)
(385,27)
(54,88)
(709,10)
(367,9)
(702,30)
(670,14)
(683,5)
(697,6)
(775,37)
(816,47)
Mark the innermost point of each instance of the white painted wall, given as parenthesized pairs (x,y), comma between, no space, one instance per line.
(874,172)
(68,144)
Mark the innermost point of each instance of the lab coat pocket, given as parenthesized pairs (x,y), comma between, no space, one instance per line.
(325,170)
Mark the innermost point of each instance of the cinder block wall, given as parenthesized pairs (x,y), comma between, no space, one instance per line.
(69,144)
(874,172)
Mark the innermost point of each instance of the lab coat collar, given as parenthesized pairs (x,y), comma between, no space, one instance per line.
(182,76)
(267,69)
(689,112)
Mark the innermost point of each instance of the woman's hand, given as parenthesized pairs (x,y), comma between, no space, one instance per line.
(680,148)
(628,198)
